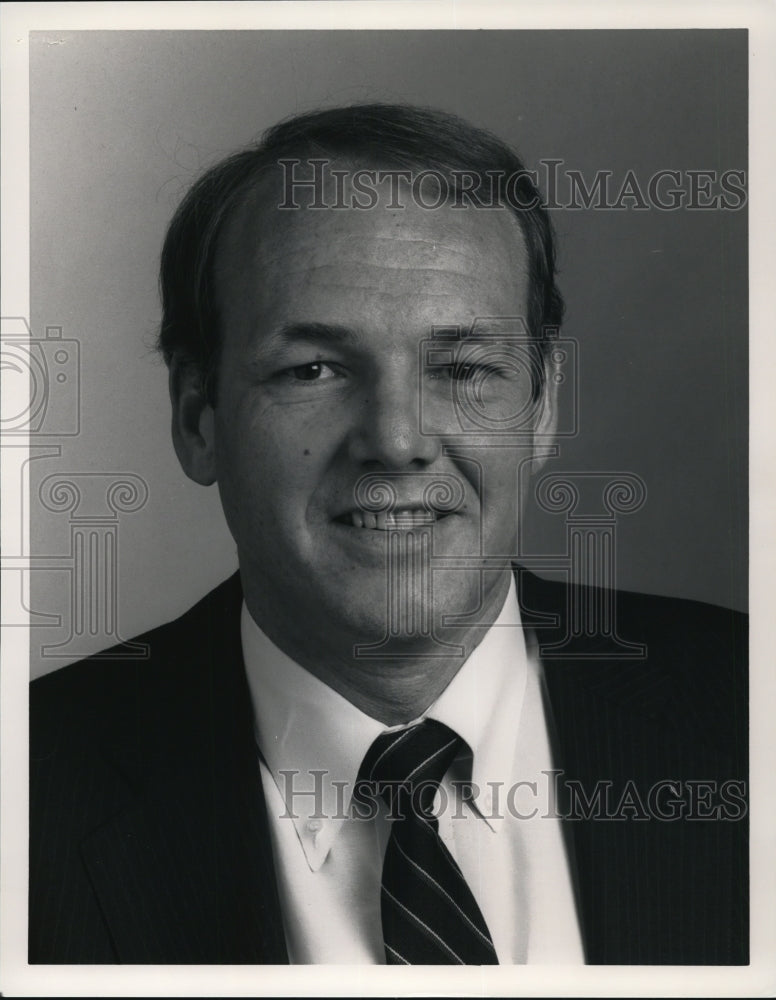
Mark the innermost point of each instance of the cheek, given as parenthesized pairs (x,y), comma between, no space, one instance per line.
(270,460)
(499,478)
(500,499)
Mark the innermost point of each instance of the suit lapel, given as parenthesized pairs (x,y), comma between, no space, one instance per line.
(185,874)
(645,891)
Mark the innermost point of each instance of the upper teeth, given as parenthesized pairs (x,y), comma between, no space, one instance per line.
(407,518)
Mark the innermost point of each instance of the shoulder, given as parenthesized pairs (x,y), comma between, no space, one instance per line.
(690,629)
(659,618)
(111,694)
(697,653)
(126,752)
(671,662)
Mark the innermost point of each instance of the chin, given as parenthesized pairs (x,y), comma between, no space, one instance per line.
(369,614)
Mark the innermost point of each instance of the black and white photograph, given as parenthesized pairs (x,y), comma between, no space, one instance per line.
(385,501)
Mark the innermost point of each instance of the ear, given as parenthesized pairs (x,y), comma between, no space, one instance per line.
(193,422)
(546,418)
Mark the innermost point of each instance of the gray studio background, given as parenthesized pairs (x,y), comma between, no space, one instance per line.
(122,122)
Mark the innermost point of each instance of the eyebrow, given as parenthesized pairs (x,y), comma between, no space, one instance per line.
(324,333)
(311,332)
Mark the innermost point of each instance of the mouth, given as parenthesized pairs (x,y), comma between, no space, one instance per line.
(402,519)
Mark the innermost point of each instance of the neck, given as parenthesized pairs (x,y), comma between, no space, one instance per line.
(397,687)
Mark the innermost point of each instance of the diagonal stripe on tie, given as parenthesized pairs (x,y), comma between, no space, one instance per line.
(446,896)
(436,940)
(428,911)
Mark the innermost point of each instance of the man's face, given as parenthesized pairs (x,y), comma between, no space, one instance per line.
(322,314)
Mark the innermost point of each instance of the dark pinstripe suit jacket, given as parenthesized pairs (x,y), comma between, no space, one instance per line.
(149,840)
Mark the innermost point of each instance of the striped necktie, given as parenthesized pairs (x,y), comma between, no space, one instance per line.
(429,914)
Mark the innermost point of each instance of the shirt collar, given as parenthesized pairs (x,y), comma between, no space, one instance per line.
(313,740)
(483,702)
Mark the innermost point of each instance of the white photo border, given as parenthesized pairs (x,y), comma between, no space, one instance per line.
(17,978)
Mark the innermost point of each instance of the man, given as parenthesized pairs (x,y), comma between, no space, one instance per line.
(369,745)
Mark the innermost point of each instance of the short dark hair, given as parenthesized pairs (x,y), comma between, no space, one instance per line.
(382,135)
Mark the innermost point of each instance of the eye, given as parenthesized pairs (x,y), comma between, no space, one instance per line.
(313,371)
(470,370)
(463,371)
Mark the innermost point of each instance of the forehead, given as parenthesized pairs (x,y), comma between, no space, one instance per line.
(416,265)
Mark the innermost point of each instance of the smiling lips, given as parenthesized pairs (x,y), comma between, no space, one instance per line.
(401,519)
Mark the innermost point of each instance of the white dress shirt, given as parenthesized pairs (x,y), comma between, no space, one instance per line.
(329,864)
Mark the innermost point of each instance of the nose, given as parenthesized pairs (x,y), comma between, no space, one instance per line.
(386,433)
